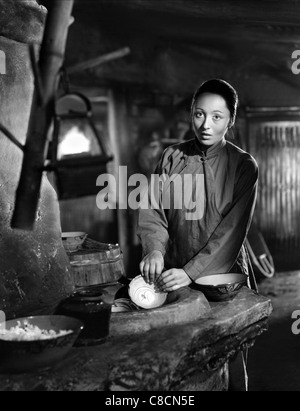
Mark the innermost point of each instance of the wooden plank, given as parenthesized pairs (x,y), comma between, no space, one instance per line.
(92,63)
(278,155)
(246,11)
(152,20)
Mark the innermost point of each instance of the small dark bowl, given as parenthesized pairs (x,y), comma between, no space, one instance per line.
(221,287)
(18,357)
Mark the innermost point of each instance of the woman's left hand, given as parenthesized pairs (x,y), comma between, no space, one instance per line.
(172,280)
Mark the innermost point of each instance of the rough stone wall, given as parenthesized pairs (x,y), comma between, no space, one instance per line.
(34,268)
(22,20)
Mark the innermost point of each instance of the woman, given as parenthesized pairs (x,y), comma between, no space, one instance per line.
(178,250)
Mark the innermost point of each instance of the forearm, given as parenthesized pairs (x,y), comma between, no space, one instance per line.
(153,231)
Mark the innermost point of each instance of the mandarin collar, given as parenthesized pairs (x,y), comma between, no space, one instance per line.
(210,151)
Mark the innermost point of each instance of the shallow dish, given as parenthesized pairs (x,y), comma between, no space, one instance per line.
(221,287)
(145,295)
(38,355)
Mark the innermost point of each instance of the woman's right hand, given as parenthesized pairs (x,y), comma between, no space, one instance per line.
(152,266)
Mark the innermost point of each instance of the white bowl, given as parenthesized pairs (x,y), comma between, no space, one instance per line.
(145,295)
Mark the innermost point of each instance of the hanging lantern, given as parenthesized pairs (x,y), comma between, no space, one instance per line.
(77,154)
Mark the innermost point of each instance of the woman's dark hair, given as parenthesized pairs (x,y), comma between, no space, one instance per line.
(223,89)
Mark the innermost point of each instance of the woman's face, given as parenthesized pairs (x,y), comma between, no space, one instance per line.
(211,118)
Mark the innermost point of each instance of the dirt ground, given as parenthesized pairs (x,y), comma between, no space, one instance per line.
(274,361)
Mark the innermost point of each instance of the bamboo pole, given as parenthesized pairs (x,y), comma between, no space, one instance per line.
(51,60)
(297,182)
(118,132)
(98,61)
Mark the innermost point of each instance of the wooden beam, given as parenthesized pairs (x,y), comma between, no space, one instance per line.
(150,19)
(89,64)
(246,11)
(238,34)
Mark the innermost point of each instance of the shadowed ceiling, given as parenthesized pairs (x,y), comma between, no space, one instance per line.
(176,44)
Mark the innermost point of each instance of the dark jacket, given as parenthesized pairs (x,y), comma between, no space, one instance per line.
(225,193)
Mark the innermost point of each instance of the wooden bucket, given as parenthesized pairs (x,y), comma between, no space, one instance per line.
(97,263)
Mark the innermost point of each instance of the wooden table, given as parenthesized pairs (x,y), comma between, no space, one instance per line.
(192,356)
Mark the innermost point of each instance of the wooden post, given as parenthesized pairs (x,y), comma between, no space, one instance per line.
(122,151)
(51,60)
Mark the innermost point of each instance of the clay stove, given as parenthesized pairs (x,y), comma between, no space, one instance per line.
(34,268)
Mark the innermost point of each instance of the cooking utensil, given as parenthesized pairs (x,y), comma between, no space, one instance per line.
(221,287)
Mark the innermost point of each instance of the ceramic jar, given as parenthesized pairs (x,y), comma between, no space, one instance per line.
(91,305)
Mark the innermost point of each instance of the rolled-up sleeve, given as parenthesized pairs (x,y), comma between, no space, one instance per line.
(223,247)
